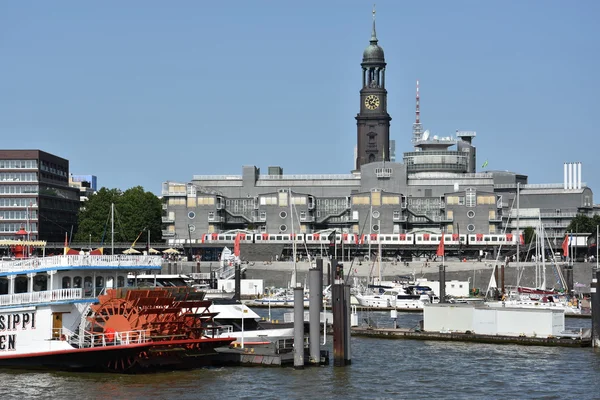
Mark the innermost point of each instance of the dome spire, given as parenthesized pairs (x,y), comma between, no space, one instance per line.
(373,33)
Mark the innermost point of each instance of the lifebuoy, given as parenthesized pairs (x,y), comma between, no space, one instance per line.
(110,334)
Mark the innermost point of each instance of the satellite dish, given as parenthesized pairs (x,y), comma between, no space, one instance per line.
(425,135)
(435,137)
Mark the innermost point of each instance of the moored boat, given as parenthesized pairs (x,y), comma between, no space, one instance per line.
(76,312)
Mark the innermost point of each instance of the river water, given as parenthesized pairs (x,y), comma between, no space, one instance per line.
(380,369)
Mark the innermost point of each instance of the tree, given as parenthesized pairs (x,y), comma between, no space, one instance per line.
(136,213)
(584,224)
(528,234)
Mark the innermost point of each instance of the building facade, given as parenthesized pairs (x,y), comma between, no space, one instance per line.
(436,188)
(35,196)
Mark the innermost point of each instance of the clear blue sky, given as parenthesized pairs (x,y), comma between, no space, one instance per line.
(141,92)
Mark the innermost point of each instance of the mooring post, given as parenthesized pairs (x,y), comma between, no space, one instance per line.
(595,308)
(347,325)
(340,317)
(442,283)
(299,327)
(315,303)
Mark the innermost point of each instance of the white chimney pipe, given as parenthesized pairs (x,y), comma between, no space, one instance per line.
(578,175)
(565,179)
(570,177)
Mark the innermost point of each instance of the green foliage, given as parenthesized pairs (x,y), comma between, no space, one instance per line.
(528,234)
(584,224)
(136,211)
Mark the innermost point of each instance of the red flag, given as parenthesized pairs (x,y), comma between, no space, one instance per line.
(236,245)
(565,246)
(440,249)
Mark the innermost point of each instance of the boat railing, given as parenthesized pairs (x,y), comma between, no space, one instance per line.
(47,296)
(90,339)
(86,260)
(223,330)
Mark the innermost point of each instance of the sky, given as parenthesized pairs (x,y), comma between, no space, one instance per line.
(144,92)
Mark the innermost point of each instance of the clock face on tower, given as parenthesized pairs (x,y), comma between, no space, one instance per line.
(372,102)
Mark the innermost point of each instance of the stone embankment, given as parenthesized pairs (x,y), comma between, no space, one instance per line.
(278,274)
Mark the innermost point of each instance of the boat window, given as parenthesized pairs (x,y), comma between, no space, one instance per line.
(66,282)
(21,284)
(121,281)
(40,283)
(77,281)
(87,286)
(3,286)
(100,282)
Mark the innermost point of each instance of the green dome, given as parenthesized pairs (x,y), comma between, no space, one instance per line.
(373,53)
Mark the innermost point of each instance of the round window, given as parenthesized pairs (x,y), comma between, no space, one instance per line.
(191,215)
(192,228)
(471,228)
(471,214)
(375,228)
(283,228)
(283,215)
(376,214)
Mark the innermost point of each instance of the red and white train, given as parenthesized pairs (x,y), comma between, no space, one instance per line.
(395,239)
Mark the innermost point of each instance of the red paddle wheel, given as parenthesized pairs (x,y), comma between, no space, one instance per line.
(174,320)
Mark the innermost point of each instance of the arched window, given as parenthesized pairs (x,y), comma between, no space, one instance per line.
(99,283)
(66,282)
(88,289)
(77,282)
(121,281)
(371,158)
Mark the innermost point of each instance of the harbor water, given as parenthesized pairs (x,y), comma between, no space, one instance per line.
(380,369)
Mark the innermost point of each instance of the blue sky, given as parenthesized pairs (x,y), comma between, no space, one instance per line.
(141,92)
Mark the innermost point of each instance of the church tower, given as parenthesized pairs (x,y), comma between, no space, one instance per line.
(373,121)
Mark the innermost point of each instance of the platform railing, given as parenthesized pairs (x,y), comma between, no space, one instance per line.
(118,260)
(47,296)
(89,339)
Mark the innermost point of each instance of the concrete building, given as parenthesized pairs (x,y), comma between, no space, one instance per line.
(35,196)
(436,188)
(86,184)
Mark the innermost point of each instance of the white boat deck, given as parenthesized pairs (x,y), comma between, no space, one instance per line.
(80,261)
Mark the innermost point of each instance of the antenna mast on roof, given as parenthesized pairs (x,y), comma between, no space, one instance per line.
(417,127)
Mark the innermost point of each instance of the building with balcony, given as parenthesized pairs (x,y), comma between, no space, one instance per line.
(35,196)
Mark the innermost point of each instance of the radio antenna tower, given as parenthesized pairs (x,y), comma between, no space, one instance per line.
(417,127)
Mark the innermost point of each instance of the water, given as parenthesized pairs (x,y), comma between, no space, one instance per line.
(381,369)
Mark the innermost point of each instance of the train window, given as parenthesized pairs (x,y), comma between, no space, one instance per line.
(487,239)
(280,238)
(309,237)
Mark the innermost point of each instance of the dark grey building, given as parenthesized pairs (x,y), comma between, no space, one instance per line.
(35,196)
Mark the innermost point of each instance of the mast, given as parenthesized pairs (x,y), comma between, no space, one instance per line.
(379,250)
(518,229)
(543,248)
(112,228)
(293,280)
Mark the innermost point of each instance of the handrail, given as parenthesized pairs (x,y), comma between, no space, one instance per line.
(117,260)
(47,296)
